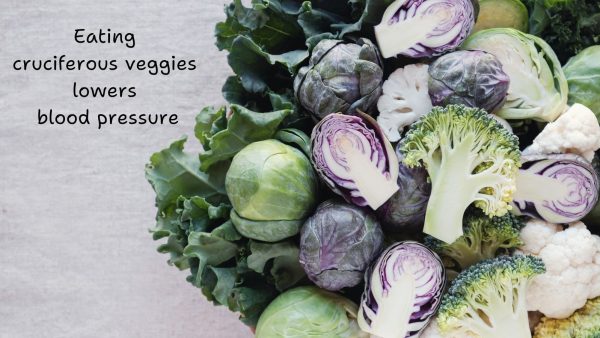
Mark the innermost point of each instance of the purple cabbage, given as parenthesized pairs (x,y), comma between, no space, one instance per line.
(338,243)
(559,188)
(471,77)
(406,284)
(419,28)
(353,157)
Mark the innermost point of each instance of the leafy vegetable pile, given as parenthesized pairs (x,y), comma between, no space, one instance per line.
(396,168)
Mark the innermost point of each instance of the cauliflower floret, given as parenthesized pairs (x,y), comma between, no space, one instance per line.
(572,259)
(405,98)
(575,131)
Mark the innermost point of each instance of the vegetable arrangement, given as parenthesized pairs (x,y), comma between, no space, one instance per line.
(396,169)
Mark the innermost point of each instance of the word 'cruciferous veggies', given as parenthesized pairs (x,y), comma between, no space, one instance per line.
(353,157)
(538,87)
(473,78)
(309,311)
(424,28)
(340,77)
(560,188)
(337,244)
(404,212)
(470,158)
(405,98)
(403,291)
(272,188)
(489,299)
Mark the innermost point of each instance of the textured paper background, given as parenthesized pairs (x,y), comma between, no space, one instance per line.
(76,259)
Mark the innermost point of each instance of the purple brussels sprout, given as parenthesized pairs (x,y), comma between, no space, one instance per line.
(338,243)
(403,291)
(404,212)
(353,157)
(341,77)
(473,78)
(418,28)
(559,188)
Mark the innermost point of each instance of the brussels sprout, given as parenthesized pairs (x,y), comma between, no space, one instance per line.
(338,243)
(340,78)
(404,212)
(538,87)
(473,78)
(309,312)
(583,76)
(272,188)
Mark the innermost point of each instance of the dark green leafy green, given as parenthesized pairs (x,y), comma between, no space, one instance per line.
(278,259)
(568,26)
(243,128)
(173,173)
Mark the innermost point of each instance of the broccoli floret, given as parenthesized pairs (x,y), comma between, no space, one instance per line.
(584,323)
(483,238)
(470,158)
(488,299)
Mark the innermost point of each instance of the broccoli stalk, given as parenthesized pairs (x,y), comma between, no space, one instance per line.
(482,239)
(489,299)
(470,158)
(584,323)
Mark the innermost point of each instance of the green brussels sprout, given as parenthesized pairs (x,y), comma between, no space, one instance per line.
(272,188)
(309,312)
(341,77)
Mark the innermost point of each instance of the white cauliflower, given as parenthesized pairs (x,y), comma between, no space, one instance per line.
(576,131)
(572,259)
(405,98)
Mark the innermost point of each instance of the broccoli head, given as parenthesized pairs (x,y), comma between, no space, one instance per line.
(488,299)
(584,323)
(483,238)
(470,158)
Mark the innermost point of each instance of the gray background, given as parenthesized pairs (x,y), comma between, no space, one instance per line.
(76,259)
